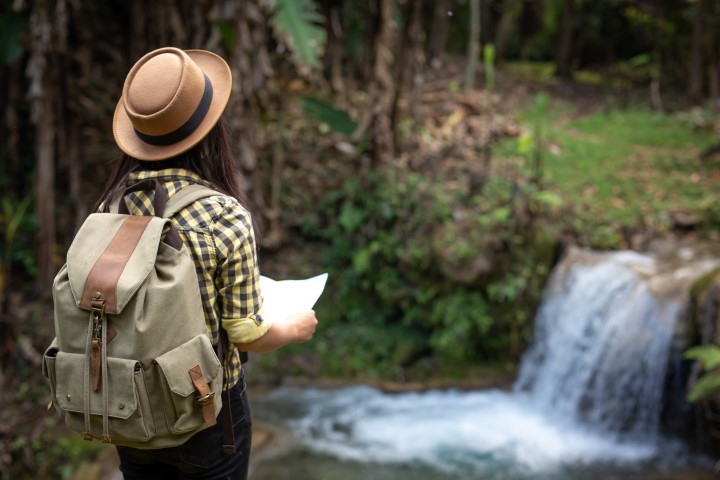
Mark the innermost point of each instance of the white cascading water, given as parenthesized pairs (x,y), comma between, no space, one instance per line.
(590,389)
(601,347)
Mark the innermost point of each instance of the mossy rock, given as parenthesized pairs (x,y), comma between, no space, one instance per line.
(698,305)
(465,252)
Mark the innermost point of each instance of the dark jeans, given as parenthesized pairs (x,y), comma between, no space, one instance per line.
(202,456)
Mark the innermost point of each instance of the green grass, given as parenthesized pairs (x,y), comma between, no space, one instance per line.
(624,168)
(544,72)
(531,71)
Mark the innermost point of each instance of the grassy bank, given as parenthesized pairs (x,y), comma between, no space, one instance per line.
(624,170)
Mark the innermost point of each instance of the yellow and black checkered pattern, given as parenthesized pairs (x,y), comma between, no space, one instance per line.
(218,233)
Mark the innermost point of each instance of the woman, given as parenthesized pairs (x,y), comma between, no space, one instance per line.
(168,125)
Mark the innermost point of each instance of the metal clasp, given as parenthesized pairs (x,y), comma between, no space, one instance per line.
(97,311)
(205,399)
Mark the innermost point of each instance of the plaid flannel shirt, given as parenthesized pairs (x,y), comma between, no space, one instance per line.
(218,233)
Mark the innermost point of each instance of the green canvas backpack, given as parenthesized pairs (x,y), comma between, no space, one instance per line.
(131,363)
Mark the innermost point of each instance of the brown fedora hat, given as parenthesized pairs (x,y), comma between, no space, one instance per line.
(170,101)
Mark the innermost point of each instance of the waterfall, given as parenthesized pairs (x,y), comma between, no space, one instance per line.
(603,339)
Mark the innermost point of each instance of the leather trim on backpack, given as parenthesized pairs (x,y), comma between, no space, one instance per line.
(205,397)
(104,275)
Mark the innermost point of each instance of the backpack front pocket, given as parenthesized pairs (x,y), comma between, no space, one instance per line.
(127,397)
(181,410)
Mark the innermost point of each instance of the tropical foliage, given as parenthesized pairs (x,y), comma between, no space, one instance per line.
(708,384)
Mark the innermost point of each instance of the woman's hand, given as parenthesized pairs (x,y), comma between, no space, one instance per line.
(303,324)
(297,328)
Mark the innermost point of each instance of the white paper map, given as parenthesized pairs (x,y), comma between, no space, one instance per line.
(282,298)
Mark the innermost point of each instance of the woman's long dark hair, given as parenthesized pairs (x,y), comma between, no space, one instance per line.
(211,159)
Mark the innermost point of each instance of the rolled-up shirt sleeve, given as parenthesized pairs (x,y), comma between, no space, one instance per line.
(237,276)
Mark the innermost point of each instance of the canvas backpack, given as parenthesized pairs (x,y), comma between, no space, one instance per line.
(131,363)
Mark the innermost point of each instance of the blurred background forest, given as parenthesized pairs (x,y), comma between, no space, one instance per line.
(434,156)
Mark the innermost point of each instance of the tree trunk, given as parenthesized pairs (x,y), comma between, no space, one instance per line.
(10,90)
(45,197)
(334,45)
(656,95)
(250,66)
(82,64)
(507,26)
(372,30)
(275,236)
(473,50)
(715,70)
(10,86)
(410,58)
(563,63)
(74,178)
(48,29)
(137,39)
(713,47)
(417,55)
(714,79)
(377,117)
(695,86)
(439,32)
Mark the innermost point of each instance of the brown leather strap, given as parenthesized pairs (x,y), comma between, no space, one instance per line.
(172,238)
(159,201)
(226,412)
(205,398)
(104,275)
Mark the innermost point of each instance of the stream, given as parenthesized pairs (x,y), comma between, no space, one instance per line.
(363,433)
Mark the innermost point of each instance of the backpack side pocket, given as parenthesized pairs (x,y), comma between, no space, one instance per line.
(48,370)
(181,411)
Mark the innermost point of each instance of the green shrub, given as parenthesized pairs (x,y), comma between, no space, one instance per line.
(708,384)
(418,270)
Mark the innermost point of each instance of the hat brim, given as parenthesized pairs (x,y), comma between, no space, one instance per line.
(220,76)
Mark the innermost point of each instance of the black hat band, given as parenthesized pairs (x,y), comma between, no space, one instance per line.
(184,130)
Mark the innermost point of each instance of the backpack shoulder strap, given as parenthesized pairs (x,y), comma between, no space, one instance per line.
(181,199)
(186,196)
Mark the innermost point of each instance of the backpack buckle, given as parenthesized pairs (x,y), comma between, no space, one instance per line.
(97,307)
(205,399)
